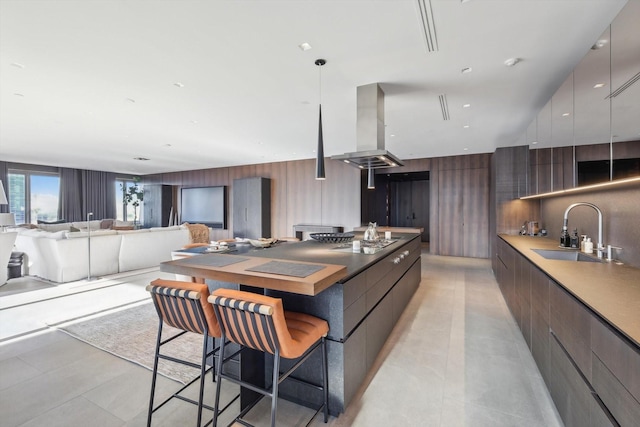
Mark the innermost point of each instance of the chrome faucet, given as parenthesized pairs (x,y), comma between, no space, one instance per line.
(600,248)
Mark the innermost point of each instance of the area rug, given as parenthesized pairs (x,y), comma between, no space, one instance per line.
(131,334)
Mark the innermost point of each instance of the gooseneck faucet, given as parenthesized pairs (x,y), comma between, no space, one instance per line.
(600,247)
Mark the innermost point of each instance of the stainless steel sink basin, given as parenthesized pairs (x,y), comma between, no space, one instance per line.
(567,255)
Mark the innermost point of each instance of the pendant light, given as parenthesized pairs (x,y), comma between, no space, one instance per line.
(320,175)
(370,178)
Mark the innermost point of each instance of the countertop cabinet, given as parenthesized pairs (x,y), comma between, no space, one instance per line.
(252,207)
(361,313)
(591,370)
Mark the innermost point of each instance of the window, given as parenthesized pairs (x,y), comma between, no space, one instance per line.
(127,211)
(33,196)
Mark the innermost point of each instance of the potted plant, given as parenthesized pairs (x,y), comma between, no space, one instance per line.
(133,196)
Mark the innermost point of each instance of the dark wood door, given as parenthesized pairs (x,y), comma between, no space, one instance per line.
(410,205)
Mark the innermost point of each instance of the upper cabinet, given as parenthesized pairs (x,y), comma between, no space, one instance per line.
(589,131)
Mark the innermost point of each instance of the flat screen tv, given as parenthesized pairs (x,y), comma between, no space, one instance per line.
(204,205)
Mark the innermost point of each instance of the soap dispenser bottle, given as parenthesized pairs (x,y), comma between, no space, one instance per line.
(584,240)
(588,246)
(565,240)
(575,242)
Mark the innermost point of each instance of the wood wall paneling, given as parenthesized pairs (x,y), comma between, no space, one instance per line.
(450,212)
(340,198)
(304,193)
(476,213)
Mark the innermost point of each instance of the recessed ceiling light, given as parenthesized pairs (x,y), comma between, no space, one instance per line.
(466,126)
(17,65)
(599,44)
(178,84)
(466,70)
(19,94)
(304,46)
(466,105)
(131,100)
(512,61)
(598,85)
(167,145)
(143,159)
(466,149)
(194,121)
(534,142)
(566,114)
(393,135)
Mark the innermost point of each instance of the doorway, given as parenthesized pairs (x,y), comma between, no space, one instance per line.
(399,200)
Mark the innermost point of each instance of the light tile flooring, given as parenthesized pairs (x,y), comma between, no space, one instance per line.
(456,358)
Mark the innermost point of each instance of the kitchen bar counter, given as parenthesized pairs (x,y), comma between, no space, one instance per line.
(611,291)
(368,293)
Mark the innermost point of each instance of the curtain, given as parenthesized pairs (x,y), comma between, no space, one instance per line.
(70,202)
(5,183)
(99,190)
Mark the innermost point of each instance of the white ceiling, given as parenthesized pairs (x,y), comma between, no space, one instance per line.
(93,84)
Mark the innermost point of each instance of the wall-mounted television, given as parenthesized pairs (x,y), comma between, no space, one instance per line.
(204,205)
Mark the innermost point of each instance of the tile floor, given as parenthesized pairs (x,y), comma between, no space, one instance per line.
(456,358)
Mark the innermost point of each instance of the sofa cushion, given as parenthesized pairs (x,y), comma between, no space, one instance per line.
(58,235)
(106,224)
(55,227)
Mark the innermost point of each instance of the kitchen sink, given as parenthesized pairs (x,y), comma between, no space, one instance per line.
(566,255)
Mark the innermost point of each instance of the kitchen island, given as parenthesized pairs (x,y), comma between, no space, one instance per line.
(370,292)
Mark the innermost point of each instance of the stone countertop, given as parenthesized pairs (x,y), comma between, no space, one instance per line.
(610,290)
(314,251)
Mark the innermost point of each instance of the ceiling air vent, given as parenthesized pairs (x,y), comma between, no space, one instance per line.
(444,106)
(624,86)
(427,25)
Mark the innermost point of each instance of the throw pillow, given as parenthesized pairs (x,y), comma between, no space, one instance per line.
(72,229)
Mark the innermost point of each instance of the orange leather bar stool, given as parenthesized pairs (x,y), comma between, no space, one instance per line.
(184,306)
(260,322)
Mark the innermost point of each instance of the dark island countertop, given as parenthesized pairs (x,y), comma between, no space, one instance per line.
(340,263)
(610,290)
(314,251)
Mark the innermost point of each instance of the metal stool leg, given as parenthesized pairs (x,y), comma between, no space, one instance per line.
(155,373)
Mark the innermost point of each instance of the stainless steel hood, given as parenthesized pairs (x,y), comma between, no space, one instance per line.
(370,153)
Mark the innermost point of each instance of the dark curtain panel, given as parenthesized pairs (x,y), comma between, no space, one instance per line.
(5,183)
(99,189)
(70,204)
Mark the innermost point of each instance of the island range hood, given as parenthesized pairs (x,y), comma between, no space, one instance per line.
(370,153)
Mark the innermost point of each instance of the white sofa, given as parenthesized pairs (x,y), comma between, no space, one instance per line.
(62,256)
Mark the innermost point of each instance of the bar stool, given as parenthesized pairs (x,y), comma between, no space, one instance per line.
(184,306)
(260,322)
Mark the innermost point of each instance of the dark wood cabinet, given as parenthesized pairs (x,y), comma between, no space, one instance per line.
(251,207)
(540,321)
(591,370)
(576,403)
(463,211)
(522,285)
(157,204)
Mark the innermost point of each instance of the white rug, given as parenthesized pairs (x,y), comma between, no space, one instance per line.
(131,334)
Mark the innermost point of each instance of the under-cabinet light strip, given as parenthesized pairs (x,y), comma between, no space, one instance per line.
(619,182)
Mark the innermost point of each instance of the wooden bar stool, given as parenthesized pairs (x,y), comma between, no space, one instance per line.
(184,306)
(259,322)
